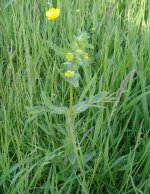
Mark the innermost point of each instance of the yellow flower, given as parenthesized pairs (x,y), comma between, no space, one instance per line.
(86,56)
(69,73)
(53,13)
(69,56)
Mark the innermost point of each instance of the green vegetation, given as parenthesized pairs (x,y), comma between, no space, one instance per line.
(108,150)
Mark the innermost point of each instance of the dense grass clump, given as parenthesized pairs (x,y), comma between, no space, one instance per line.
(112,140)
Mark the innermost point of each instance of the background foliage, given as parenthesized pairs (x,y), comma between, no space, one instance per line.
(113,141)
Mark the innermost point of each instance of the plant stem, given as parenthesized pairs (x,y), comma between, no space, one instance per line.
(71,99)
(73,145)
(72,135)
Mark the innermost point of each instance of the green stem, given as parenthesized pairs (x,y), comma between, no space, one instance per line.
(71,99)
(72,135)
(72,144)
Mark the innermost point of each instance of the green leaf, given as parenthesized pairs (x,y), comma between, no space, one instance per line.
(48,107)
(52,108)
(92,102)
(73,80)
(8,3)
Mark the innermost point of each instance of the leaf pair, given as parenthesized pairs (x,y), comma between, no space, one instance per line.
(78,108)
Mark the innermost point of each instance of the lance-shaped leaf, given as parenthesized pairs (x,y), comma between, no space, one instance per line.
(52,108)
(92,102)
(73,80)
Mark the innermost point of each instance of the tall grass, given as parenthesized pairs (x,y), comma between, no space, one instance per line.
(112,141)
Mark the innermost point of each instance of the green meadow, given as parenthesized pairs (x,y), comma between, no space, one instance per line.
(59,139)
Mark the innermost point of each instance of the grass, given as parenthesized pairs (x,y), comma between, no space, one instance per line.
(112,142)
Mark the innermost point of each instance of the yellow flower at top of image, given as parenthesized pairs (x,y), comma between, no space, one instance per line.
(86,56)
(69,73)
(53,13)
(70,56)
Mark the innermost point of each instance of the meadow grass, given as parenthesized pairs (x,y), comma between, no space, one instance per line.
(112,140)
